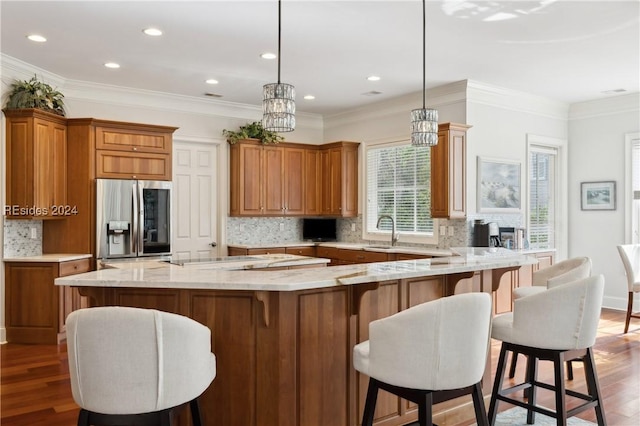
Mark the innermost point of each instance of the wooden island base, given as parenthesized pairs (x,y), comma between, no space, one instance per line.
(284,358)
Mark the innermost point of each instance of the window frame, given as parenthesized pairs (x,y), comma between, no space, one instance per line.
(560,173)
(631,227)
(384,236)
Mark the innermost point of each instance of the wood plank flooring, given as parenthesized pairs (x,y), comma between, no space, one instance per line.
(35,390)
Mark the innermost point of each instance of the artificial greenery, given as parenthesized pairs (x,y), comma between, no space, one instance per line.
(252,131)
(35,94)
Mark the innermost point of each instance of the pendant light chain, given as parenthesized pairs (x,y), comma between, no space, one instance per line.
(424,55)
(279,35)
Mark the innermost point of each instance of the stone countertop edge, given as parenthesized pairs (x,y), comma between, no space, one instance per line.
(288,280)
(48,258)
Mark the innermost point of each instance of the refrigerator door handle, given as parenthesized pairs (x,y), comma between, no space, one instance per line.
(140,230)
(134,232)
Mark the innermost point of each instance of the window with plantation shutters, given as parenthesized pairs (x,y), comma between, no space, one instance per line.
(632,196)
(542,196)
(398,184)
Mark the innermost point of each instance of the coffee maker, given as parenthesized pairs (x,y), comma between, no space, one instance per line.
(486,234)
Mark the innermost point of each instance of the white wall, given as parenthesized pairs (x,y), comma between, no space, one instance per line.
(597,136)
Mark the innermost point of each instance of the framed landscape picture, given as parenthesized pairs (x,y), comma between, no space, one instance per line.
(598,195)
(499,187)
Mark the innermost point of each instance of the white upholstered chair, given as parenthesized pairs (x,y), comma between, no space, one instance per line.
(630,255)
(557,274)
(428,353)
(557,325)
(131,366)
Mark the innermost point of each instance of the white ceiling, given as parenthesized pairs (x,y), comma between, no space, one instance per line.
(569,51)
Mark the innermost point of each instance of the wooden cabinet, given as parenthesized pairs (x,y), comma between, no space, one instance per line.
(35,308)
(347,256)
(301,251)
(104,149)
(293,179)
(266,180)
(340,179)
(132,151)
(36,164)
(449,172)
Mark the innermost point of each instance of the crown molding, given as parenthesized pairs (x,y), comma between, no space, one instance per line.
(152,100)
(620,104)
(437,97)
(513,100)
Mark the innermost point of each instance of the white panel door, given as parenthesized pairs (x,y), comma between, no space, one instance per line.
(194,200)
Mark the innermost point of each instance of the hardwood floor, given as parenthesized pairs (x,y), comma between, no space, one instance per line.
(35,390)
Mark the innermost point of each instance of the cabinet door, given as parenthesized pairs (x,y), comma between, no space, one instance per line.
(121,139)
(31,303)
(294,181)
(313,183)
(128,165)
(335,181)
(250,175)
(49,164)
(349,187)
(273,181)
(449,165)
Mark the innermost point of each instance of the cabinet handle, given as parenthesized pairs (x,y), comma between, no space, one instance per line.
(135,149)
(134,176)
(360,257)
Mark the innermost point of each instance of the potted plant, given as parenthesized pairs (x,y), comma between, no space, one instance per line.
(35,94)
(252,131)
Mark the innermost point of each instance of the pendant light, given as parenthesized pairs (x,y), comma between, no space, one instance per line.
(424,121)
(278,100)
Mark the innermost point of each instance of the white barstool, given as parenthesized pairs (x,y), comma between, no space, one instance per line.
(428,353)
(131,366)
(557,325)
(557,274)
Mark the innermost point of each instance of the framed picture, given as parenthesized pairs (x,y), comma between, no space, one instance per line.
(499,188)
(598,195)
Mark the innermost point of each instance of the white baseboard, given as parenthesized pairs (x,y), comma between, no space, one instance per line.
(617,303)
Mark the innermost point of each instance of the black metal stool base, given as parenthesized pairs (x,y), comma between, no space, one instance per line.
(558,357)
(156,418)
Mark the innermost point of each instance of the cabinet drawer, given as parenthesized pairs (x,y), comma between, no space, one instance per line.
(268,250)
(361,256)
(328,252)
(411,256)
(301,251)
(128,140)
(73,267)
(128,165)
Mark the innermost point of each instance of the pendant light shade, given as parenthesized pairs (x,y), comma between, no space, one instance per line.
(279,99)
(424,121)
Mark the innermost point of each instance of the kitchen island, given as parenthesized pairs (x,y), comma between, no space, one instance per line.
(283,339)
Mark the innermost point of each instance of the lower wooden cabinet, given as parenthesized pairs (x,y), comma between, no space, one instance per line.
(35,308)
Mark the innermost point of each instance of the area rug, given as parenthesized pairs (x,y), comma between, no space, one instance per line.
(517,416)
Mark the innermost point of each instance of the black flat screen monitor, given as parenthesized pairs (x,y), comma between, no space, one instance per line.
(319,229)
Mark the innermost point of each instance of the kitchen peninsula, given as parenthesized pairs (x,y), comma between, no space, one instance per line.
(283,338)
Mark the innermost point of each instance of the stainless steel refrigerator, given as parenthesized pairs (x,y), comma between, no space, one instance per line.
(133,218)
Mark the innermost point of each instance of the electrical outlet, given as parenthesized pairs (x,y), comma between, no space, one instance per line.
(241,227)
(282,226)
(353,227)
(34,233)
(451,231)
(443,230)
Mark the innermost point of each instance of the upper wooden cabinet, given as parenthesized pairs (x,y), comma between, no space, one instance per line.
(339,162)
(449,172)
(132,151)
(293,179)
(36,164)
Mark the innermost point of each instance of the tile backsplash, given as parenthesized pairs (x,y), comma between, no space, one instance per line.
(17,238)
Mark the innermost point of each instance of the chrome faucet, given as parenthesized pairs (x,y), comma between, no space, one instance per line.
(394,237)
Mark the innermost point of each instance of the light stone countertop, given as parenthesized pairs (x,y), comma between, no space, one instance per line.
(48,258)
(216,278)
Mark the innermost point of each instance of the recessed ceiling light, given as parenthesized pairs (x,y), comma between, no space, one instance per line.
(112,65)
(154,32)
(373,78)
(211,81)
(309,97)
(37,38)
(268,55)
